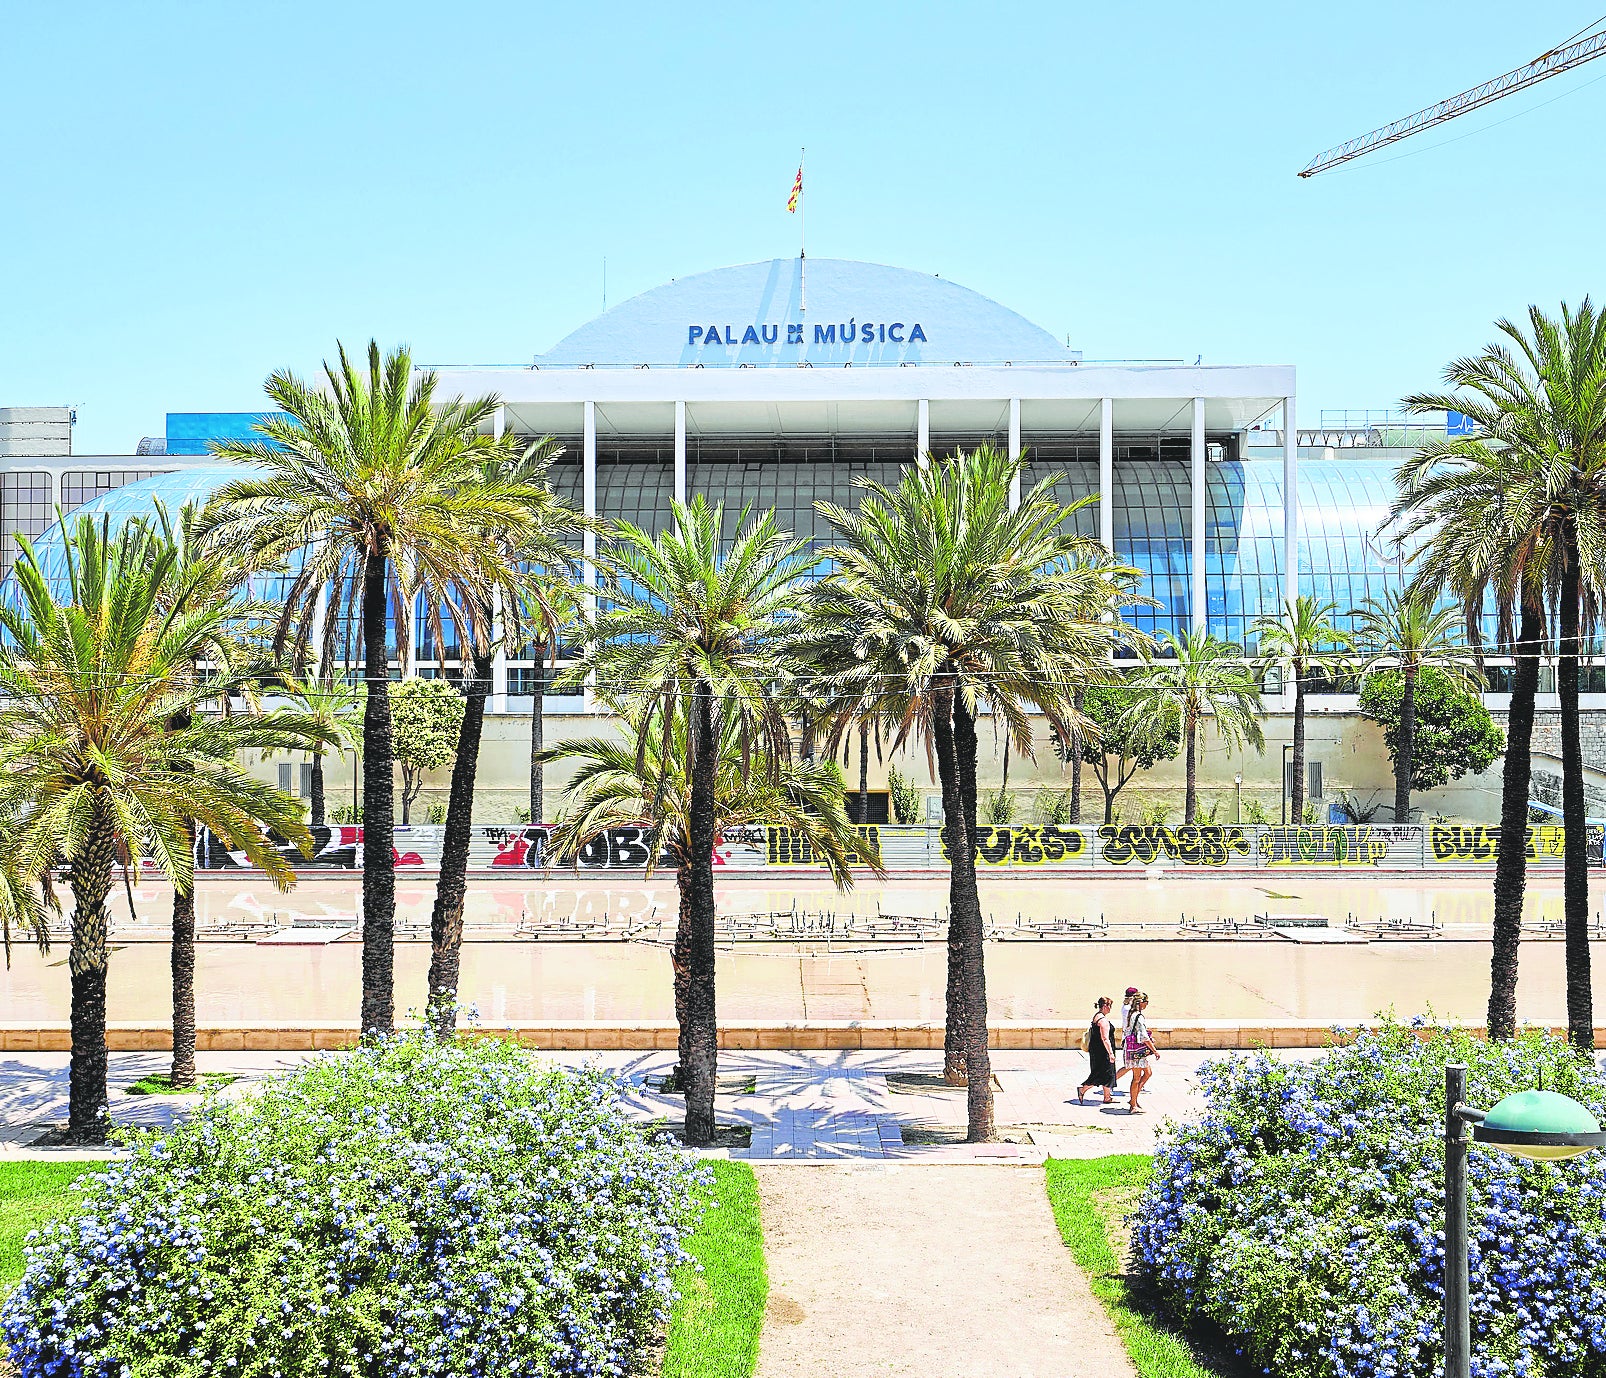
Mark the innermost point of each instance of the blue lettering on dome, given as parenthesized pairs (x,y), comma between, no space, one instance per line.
(849,332)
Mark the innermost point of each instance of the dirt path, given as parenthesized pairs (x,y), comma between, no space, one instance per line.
(924,1270)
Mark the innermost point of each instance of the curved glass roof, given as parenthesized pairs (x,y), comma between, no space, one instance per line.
(134,500)
(755,315)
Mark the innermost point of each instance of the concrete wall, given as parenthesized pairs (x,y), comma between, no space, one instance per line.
(1349,747)
(35,431)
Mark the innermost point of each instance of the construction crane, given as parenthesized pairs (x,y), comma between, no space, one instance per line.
(1573,53)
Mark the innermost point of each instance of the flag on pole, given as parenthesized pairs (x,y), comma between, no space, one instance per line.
(797,190)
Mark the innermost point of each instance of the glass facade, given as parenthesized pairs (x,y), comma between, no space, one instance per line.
(79,486)
(791,475)
(1343,502)
(27,508)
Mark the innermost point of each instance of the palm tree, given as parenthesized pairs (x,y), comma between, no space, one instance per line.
(1303,638)
(1198,675)
(617,786)
(373,489)
(1519,509)
(535,565)
(107,753)
(1404,631)
(337,706)
(693,622)
(955,605)
(226,646)
(553,603)
(24,904)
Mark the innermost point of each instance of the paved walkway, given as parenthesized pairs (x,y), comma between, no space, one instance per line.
(891,1270)
(804,1106)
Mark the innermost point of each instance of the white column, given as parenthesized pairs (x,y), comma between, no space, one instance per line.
(1290,504)
(1014,450)
(1107,472)
(499,422)
(589,540)
(1196,559)
(499,661)
(922,431)
(680,452)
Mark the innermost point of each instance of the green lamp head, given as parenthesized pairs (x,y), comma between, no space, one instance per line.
(1540,1124)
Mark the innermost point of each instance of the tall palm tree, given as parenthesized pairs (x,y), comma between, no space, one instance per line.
(1197,675)
(107,752)
(1403,630)
(227,648)
(1520,508)
(372,488)
(956,605)
(617,786)
(25,905)
(536,562)
(693,622)
(1302,638)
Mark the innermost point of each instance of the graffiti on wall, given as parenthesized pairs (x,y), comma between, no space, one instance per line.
(1193,844)
(335,847)
(1479,842)
(1029,845)
(1360,844)
(789,847)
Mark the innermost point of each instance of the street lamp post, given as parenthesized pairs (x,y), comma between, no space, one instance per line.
(1530,1124)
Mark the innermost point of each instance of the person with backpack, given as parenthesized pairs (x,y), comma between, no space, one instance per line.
(1099,1045)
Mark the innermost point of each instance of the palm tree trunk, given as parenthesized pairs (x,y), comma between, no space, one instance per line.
(446,919)
(1575,859)
(961,893)
(680,963)
(1297,805)
(378,814)
(1511,862)
(864,772)
(701,1030)
(1190,798)
(181,954)
(182,960)
(538,736)
(1402,759)
(1076,763)
(316,799)
(88,1118)
(965,925)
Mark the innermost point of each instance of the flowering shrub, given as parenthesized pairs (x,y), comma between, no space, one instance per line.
(1303,1216)
(405,1209)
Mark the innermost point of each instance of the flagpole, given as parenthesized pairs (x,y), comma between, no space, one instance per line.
(802,233)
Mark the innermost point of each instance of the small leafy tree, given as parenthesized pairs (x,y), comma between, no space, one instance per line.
(425,715)
(1454,734)
(905,797)
(1130,738)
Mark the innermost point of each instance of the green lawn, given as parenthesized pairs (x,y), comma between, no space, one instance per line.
(1089,1197)
(31,1195)
(714,1330)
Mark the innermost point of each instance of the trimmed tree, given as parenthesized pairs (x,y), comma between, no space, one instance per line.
(425,715)
(1124,737)
(1453,734)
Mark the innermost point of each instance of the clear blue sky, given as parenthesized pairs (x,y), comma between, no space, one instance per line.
(196,194)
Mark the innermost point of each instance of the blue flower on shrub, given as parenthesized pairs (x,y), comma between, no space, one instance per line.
(1303,1214)
(406,1209)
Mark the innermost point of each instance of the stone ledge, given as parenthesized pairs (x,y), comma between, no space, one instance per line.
(647,1036)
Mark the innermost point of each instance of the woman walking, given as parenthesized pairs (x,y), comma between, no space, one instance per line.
(1100,1053)
(1139,1050)
(1126,1018)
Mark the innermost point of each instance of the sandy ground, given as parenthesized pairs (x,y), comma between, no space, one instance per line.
(928,1270)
